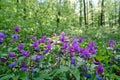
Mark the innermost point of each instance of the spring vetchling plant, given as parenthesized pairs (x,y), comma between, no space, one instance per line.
(59,57)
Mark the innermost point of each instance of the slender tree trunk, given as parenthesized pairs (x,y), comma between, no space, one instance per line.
(119,15)
(80,17)
(0,5)
(91,5)
(102,22)
(85,20)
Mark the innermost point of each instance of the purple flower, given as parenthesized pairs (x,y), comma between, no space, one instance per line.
(46,51)
(65,45)
(26,53)
(71,54)
(70,49)
(2,35)
(80,40)
(20,47)
(87,75)
(111,43)
(86,53)
(1,39)
(99,78)
(93,50)
(73,62)
(24,66)
(96,62)
(15,36)
(3,59)
(16,28)
(75,45)
(57,59)
(42,40)
(11,54)
(34,38)
(12,64)
(62,37)
(91,44)
(49,46)
(37,58)
(100,69)
(84,68)
(54,34)
(36,45)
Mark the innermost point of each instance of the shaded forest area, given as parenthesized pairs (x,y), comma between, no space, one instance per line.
(53,16)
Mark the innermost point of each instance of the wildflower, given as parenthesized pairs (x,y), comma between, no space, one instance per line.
(12,64)
(25,53)
(2,35)
(80,40)
(111,43)
(84,68)
(62,37)
(15,36)
(86,53)
(16,28)
(99,78)
(91,44)
(11,54)
(96,62)
(20,47)
(65,45)
(57,59)
(100,69)
(54,34)
(35,45)
(24,66)
(92,50)
(49,46)
(34,38)
(87,75)
(71,54)
(1,39)
(75,45)
(73,62)
(3,59)
(42,40)
(46,51)
(37,58)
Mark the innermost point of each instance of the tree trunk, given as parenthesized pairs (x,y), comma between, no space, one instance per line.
(85,20)
(91,5)
(119,16)
(102,22)
(80,17)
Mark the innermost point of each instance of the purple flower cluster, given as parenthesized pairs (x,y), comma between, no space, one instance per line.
(24,66)
(2,36)
(70,48)
(111,43)
(16,30)
(100,69)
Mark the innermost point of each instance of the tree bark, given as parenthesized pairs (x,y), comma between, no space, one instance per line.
(85,20)
(102,22)
(119,16)
(80,12)
(91,5)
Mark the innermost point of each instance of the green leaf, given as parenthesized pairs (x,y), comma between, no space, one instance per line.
(76,73)
(7,77)
(100,58)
